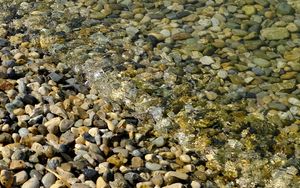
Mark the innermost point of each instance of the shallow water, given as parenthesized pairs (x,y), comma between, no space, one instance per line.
(219,77)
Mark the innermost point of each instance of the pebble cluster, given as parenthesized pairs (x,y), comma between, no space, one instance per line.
(141,93)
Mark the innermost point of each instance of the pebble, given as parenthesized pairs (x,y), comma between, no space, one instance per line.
(195,184)
(174,185)
(185,158)
(261,62)
(31,183)
(153,166)
(21,177)
(159,142)
(65,125)
(144,185)
(48,180)
(275,33)
(100,183)
(207,60)
(6,178)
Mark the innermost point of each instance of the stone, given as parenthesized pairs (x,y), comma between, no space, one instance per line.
(31,183)
(23,132)
(48,180)
(100,183)
(294,101)
(137,162)
(176,174)
(90,174)
(195,184)
(207,60)
(65,125)
(147,184)
(284,8)
(58,111)
(211,95)
(249,10)
(293,55)
(55,77)
(261,62)
(6,178)
(275,33)
(153,166)
(21,177)
(174,185)
(157,180)
(53,122)
(185,158)
(159,142)
(17,164)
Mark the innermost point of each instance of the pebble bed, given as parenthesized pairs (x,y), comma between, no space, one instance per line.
(149,94)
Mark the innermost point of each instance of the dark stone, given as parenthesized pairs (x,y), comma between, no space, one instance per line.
(29,99)
(64,148)
(250,95)
(76,22)
(156,15)
(90,174)
(258,71)
(54,162)
(182,14)
(89,137)
(55,77)
(153,40)
(131,120)
(36,120)
(3,42)
(132,177)
(11,74)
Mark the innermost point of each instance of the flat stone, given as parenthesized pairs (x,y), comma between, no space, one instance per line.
(55,77)
(275,33)
(261,62)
